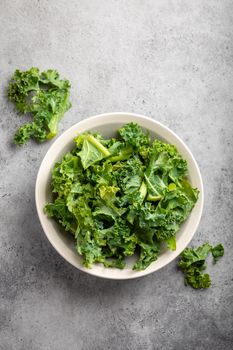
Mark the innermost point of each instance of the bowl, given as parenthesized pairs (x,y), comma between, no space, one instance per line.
(107,124)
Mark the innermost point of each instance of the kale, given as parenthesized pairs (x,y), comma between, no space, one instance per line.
(45,97)
(121,197)
(193,263)
(217,252)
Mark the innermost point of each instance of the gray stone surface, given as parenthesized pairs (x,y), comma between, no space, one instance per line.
(170,60)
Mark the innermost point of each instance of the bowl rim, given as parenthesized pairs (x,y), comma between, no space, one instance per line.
(137,274)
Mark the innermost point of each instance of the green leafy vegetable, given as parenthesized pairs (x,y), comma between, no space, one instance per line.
(121,197)
(217,252)
(133,135)
(45,96)
(193,262)
(92,150)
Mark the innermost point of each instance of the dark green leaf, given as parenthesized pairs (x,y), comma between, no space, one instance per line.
(217,252)
(192,263)
(45,96)
(133,135)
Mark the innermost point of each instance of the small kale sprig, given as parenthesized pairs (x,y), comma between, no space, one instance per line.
(45,96)
(193,263)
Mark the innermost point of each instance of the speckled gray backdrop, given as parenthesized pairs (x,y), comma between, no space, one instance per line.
(170,60)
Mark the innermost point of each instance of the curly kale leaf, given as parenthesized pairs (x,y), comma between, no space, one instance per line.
(108,195)
(45,97)
(165,167)
(197,257)
(92,150)
(134,136)
(148,254)
(217,252)
(196,279)
(167,216)
(59,211)
(65,173)
(193,262)
(119,151)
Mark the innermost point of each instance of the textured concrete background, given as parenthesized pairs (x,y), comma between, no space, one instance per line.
(170,60)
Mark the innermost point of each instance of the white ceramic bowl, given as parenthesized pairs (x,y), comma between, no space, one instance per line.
(107,124)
